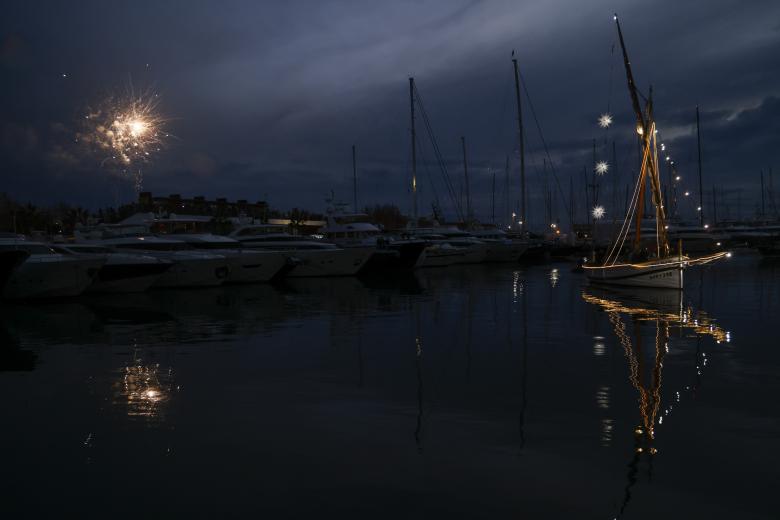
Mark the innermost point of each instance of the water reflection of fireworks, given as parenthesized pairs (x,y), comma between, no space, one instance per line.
(125,131)
(144,390)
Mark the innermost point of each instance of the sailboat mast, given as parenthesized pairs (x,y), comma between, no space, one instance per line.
(507,212)
(354,181)
(701,188)
(763,207)
(493,200)
(466,178)
(521,136)
(414,152)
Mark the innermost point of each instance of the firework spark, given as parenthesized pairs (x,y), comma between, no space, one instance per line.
(598,212)
(605,120)
(602,167)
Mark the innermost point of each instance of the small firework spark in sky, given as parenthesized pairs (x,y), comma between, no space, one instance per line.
(598,212)
(605,120)
(602,167)
(126,130)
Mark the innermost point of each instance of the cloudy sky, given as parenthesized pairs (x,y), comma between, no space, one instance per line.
(265,99)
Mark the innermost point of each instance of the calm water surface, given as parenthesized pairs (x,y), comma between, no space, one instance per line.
(471,392)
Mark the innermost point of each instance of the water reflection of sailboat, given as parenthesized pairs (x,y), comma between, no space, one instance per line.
(665,312)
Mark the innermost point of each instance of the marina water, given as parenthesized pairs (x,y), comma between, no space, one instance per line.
(471,391)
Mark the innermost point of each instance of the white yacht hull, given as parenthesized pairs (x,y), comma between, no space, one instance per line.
(436,257)
(473,254)
(330,262)
(193,270)
(51,278)
(661,274)
(253,266)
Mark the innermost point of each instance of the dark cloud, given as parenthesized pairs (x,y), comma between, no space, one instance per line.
(267,99)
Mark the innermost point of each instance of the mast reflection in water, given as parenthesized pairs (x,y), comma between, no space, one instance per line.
(664,311)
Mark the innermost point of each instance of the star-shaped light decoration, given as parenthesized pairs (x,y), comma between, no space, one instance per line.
(598,212)
(605,120)
(602,167)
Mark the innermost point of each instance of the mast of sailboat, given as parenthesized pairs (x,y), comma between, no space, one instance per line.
(701,188)
(354,181)
(763,207)
(414,152)
(521,137)
(493,200)
(646,129)
(466,178)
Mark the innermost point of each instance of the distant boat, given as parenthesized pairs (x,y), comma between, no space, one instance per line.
(657,266)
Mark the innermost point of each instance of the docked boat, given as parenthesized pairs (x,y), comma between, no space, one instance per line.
(121,272)
(499,246)
(354,230)
(245,265)
(471,249)
(190,268)
(696,239)
(46,273)
(658,266)
(312,257)
(9,260)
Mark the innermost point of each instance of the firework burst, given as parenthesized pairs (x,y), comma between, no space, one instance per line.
(602,167)
(605,120)
(125,132)
(598,212)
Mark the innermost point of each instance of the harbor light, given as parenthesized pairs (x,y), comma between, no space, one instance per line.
(677,178)
(706,226)
(687,193)
(667,157)
(698,208)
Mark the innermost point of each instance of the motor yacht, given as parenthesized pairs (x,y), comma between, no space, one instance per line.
(392,253)
(246,265)
(121,272)
(473,250)
(190,268)
(46,273)
(314,257)
(500,247)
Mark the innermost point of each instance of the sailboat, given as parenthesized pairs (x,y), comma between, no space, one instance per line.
(661,268)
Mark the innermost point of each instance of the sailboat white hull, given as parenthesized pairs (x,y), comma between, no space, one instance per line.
(661,274)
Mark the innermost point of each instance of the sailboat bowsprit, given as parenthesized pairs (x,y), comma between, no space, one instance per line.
(645,268)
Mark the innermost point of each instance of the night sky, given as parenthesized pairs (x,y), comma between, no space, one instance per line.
(265,99)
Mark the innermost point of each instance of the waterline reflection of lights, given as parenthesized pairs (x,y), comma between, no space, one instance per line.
(602,397)
(606,432)
(554,276)
(599,348)
(517,286)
